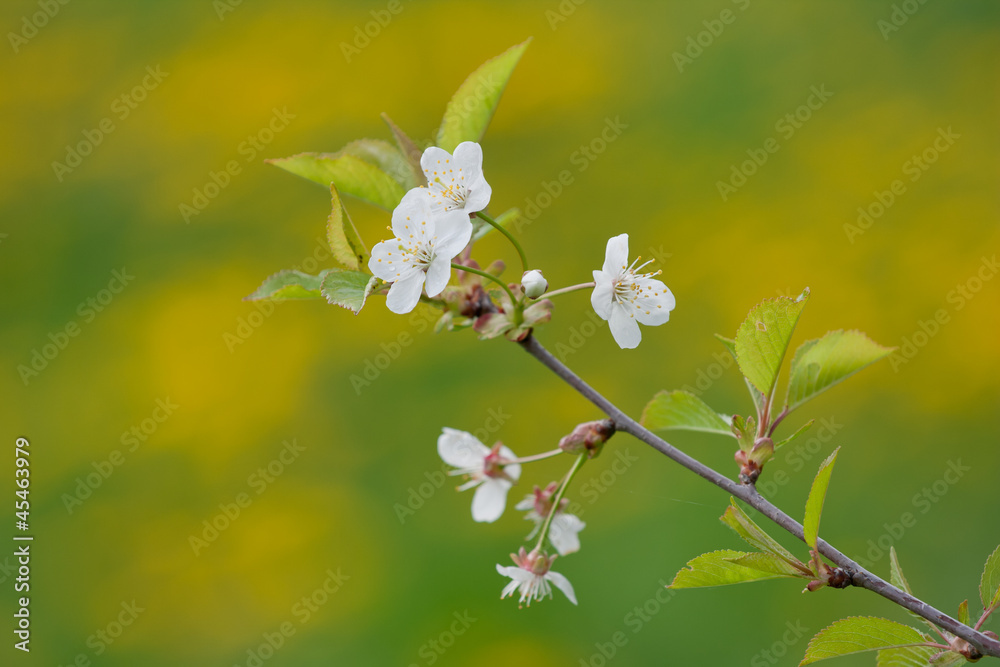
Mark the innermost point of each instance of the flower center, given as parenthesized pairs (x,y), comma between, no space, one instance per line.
(419,254)
(627,286)
(454,193)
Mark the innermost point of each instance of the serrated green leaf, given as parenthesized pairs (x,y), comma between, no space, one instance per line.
(802,429)
(717,569)
(342,235)
(351,174)
(348,289)
(858,634)
(409,149)
(963,612)
(758,398)
(896,576)
(989,584)
(736,518)
(817,494)
(289,285)
(773,564)
(821,363)
(763,338)
(949,659)
(911,656)
(898,579)
(507,219)
(471,108)
(680,410)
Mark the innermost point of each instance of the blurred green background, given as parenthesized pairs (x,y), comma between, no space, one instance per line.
(168,335)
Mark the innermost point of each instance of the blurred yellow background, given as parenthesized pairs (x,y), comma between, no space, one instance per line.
(200,392)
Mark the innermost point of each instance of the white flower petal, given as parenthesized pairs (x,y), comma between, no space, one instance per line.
(490,499)
(412,210)
(624,328)
(513,470)
(453,229)
(461,450)
(654,309)
(478,196)
(526,504)
(616,255)
(515,573)
(562,583)
(469,157)
(564,533)
(404,294)
(386,260)
(429,160)
(438,275)
(602,298)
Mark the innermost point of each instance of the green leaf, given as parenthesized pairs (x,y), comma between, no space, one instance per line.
(949,659)
(680,410)
(911,656)
(989,584)
(507,219)
(963,612)
(858,634)
(817,494)
(802,429)
(471,108)
(351,174)
(745,431)
(717,569)
(289,285)
(897,579)
(819,364)
(758,398)
(737,519)
(348,289)
(773,564)
(346,244)
(763,338)
(411,152)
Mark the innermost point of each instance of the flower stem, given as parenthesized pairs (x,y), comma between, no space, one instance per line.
(488,276)
(535,457)
(510,237)
(558,499)
(567,290)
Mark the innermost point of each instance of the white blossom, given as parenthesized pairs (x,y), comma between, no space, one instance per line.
(533,577)
(534,284)
(626,298)
(456,182)
(488,469)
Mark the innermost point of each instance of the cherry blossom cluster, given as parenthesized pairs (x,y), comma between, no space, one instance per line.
(433,235)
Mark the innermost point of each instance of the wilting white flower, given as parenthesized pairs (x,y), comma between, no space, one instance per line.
(425,243)
(533,577)
(456,182)
(626,298)
(564,529)
(489,469)
(534,284)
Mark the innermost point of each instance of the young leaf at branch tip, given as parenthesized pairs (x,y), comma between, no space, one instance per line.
(963,612)
(989,584)
(802,429)
(773,564)
(289,285)
(348,289)
(817,494)
(680,410)
(342,235)
(471,108)
(718,569)
(351,174)
(858,634)
(752,534)
(411,152)
(762,339)
(821,363)
(758,398)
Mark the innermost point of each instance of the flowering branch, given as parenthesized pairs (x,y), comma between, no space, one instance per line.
(748,493)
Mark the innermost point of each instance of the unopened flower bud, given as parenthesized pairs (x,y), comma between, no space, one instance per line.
(534,283)
(588,437)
